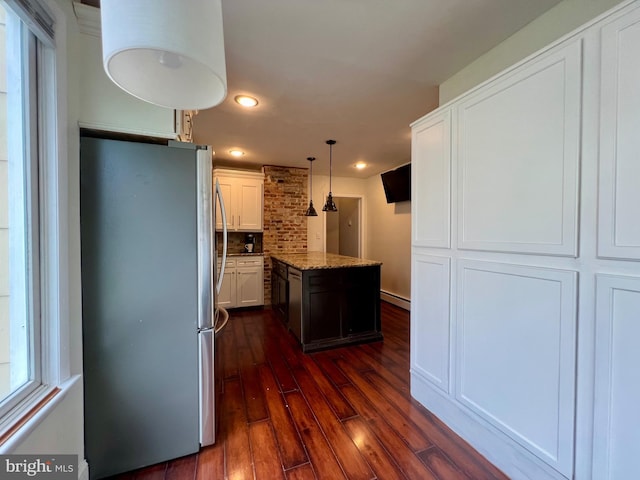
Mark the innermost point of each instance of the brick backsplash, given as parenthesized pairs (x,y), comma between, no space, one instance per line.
(285,226)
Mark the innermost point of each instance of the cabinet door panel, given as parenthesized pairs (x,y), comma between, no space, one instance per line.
(617,382)
(250,205)
(619,196)
(226,191)
(431,181)
(430,320)
(518,149)
(362,305)
(249,288)
(515,353)
(322,318)
(227,295)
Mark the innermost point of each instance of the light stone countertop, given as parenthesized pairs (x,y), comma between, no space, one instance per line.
(320,260)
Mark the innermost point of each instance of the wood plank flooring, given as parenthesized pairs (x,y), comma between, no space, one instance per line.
(338,414)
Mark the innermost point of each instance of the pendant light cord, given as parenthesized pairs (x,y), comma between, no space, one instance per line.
(331,143)
(311,182)
(330,165)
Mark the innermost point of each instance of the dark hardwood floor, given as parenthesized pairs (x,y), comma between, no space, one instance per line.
(342,413)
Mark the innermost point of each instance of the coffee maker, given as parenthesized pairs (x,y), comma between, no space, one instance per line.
(249,243)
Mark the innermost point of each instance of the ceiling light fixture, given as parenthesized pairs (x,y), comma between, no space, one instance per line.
(246,101)
(361,165)
(184,70)
(236,153)
(330,205)
(311,212)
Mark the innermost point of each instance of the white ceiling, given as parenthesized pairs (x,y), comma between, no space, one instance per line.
(357,71)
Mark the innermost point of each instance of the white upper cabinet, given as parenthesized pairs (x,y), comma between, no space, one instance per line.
(518,145)
(619,225)
(431,181)
(243,194)
(103,105)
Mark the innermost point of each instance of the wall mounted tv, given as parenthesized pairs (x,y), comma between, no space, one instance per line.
(397,184)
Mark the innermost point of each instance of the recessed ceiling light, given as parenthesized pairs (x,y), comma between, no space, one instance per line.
(236,153)
(361,165)
(246,100)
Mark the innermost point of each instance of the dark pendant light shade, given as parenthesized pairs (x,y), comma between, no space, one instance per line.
(330,205)
(311,212)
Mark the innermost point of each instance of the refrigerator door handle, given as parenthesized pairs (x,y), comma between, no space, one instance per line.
(224,237)
(206,296)
(206,339)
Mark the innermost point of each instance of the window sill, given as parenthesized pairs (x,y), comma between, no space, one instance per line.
(34,411)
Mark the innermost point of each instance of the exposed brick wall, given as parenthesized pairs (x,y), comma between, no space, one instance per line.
(285,226)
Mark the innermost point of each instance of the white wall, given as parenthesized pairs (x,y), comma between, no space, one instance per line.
(342,187)
(389,239)
(556,22)
(349,227)
(386,228)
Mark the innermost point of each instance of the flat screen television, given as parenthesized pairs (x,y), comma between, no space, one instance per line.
(397,184)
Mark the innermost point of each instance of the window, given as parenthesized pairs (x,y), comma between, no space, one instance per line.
(26,87)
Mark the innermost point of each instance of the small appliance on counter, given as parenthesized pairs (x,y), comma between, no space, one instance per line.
(249,243)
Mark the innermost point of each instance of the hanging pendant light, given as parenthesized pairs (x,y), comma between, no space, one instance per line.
(165,52)
(330,205)
(311,212)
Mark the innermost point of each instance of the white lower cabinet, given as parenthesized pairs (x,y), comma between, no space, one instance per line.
(243,284)
(227,295)
(617,379)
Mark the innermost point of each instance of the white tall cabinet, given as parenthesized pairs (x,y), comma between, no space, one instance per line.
(526,259)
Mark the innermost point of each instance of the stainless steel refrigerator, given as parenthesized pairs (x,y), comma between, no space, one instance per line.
(148,302)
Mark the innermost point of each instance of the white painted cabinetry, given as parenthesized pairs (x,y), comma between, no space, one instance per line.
(242,285)
(526,259)
(518,142)
(431,326)
(431,188)
(227,295)
(243,194)
(617,381)
(619,226)
(249,281)
(617,356)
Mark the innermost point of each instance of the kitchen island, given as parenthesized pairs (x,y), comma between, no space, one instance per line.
(327,300)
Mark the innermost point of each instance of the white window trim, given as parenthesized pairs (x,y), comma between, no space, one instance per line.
(54,338)
(54,211)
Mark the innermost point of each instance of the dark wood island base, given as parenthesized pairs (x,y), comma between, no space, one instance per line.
(332,300)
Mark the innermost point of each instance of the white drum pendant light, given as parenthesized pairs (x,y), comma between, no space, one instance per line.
(166,52)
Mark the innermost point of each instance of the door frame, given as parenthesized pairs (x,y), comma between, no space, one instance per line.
(361,218)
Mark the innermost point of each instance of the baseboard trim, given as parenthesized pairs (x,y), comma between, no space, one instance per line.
(514,460)
(396,300)
(83,470)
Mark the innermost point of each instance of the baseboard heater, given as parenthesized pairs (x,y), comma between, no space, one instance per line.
(396,300)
